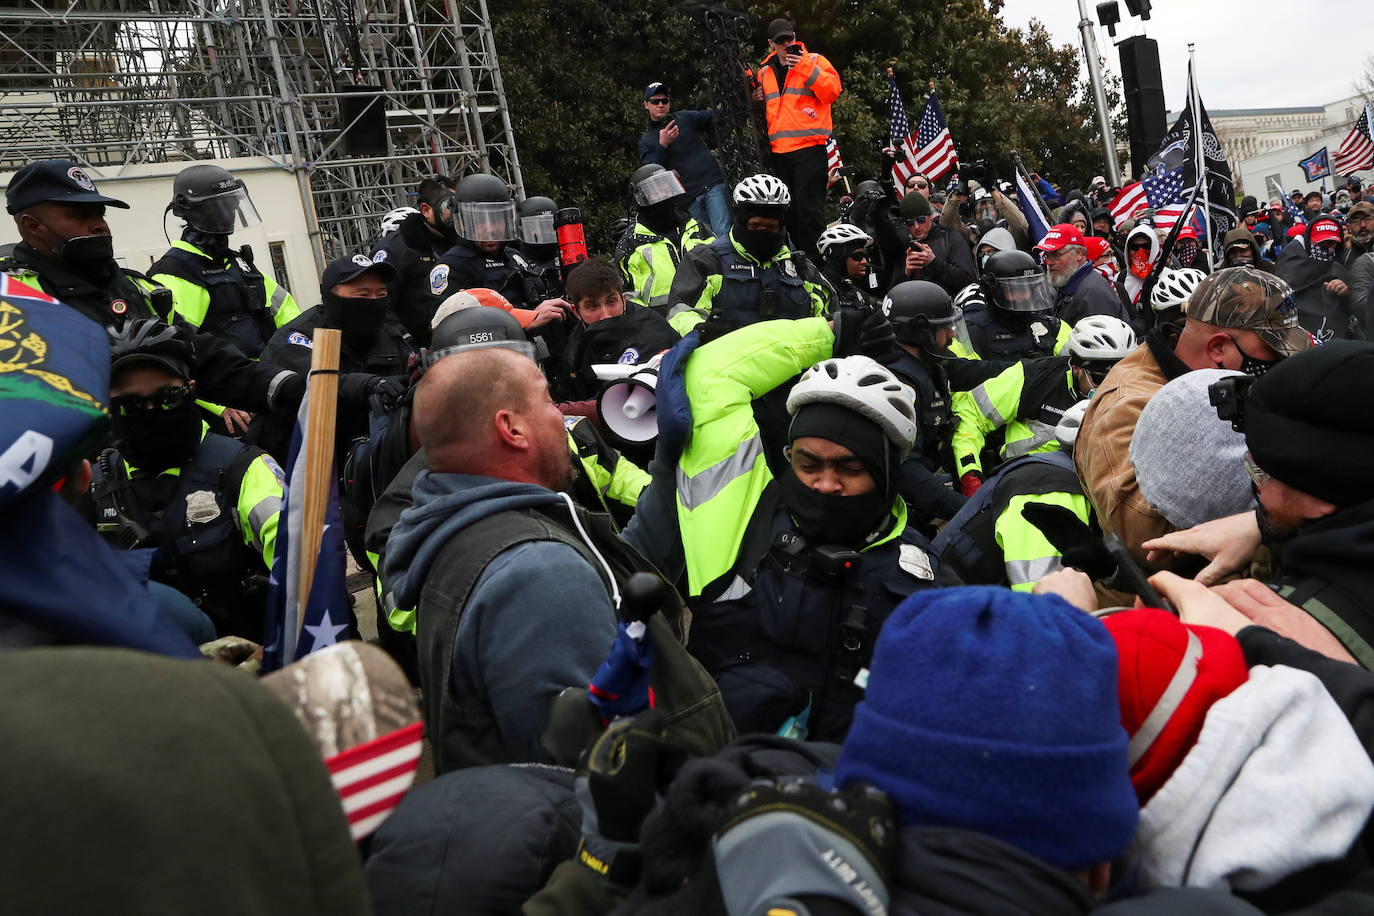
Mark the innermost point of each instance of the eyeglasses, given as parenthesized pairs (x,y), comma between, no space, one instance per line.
(1098,373)
(784,39)
(914,221)
(916,185)
(858,256)
(659,101)
(1257,474)
(169,398)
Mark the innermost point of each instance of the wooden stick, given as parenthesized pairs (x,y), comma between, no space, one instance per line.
(317,451)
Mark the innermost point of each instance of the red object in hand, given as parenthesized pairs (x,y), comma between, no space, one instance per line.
(969,483)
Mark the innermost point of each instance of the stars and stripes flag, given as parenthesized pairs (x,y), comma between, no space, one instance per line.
(899,136)
(327,619)
(935,155)
(1128,201)
(1357,149)
(372,777)
(832,157)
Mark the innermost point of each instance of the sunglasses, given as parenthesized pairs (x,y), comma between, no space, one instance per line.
(858,256)
(169,398)
(914,221)
(784,39)
(916,185)
(658,101)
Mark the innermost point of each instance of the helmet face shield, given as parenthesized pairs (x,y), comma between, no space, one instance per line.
(485,221)
(657,188)
(538,229)
(223,214)
(1030,293)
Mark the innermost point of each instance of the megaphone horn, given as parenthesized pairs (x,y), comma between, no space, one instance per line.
(628,407)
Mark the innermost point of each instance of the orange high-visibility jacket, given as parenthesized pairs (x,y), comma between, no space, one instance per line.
(799,111)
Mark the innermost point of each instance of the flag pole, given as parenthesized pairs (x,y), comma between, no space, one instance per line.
(1021,166)
(318,453)
(1194,100)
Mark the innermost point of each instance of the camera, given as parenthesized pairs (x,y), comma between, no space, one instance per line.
(1228,396)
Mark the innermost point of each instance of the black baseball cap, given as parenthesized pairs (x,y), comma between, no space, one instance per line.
(780,27)
(341,270)
(54,179)
(654,89)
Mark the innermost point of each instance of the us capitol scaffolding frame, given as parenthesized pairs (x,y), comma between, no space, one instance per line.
(111,83)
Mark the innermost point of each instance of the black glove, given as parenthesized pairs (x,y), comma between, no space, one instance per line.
(617,787)
(357,387)
(715,326)
(792,840)
(867,332)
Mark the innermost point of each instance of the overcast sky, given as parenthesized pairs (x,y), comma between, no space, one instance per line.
(1250,53)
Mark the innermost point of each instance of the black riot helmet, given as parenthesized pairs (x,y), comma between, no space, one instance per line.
(474,326)
(652,184)
(1014,283)
(483,209)
(212,200)
(536,221)
(918,308)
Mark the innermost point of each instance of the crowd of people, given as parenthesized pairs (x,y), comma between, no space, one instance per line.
(794,556)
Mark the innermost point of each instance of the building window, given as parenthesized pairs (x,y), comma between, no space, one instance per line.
(278,252)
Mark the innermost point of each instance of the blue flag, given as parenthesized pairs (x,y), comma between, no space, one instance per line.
(327,617)
(1028,199)
(1317,165)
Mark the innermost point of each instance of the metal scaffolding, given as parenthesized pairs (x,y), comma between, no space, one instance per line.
(359,98)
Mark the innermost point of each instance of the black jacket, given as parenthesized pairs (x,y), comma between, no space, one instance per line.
(632,338)
(1322,312)
(413,250)
(1089,293)
(953,267)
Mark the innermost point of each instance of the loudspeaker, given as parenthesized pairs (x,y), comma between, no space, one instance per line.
(628,407)
(366,137)
(1144,90)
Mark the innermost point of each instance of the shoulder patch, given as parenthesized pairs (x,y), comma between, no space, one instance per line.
(570,422)
(379,255)
(300,340)
(914,560)
(275,468)
(438,279)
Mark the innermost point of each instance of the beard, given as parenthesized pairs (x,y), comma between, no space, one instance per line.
(1058,278)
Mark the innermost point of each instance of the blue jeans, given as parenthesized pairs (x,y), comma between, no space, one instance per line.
(712,208)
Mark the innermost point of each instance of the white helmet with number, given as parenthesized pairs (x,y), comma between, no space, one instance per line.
(865,387)
(1174,286)
(392,221)
(842,234)
(1069,424)
(762,191)
(1101,338)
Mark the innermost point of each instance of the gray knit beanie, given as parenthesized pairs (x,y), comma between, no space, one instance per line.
(1190,464)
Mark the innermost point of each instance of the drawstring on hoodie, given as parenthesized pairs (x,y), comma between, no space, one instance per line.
(572,510)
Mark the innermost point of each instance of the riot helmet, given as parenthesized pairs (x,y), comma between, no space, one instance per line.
(475,326)
(483,209)
(536,221)
(917,310)
(652,184)
(1014,283)
(211,200)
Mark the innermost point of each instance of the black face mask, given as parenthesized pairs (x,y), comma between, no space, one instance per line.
(87,253)
(158,439)
(358,319)
(825,518)
(761,244)
(1250,365)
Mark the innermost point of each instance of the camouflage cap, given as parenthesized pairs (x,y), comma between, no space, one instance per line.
(1249,299)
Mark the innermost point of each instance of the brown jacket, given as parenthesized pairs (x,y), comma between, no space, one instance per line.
(1102,452)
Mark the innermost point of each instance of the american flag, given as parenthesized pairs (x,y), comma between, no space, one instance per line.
(372,777)
(936,155)
(1357,149)
(1165,188)
(832,156)
(1128,201)
(899,135)
(326,612)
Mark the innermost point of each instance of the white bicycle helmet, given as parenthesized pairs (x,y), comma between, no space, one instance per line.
(971,295)
(842,234)
(1067,429)
(762,191)
(1174,286)
(1101,338)
(864,386)
(392,221)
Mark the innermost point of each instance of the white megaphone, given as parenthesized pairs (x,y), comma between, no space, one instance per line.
(628,404)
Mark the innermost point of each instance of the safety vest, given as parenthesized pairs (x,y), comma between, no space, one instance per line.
(229,298)
(751,292)
(994,339)
(798,112)
(1026,401)
(195,530)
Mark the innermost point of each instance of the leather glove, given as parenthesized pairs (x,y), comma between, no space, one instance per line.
(791,841)
(617,787)
(867,332)
(970,482)
(357,387)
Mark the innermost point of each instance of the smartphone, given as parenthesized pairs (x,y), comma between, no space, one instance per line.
(792,49)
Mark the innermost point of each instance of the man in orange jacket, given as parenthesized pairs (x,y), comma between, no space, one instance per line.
(797,88)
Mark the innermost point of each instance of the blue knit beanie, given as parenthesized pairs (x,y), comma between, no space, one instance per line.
(996,711)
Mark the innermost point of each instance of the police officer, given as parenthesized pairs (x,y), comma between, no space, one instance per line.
(790,576)
(1029,398)
(1008,313)
(648,255)
(847,265)
(750,274)
(990,541)
(537,257)
(207,503)
(373,357)
(67,252)
(924,319)
(413,246)
(214,287)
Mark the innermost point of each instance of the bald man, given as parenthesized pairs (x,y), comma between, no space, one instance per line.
(512,606)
